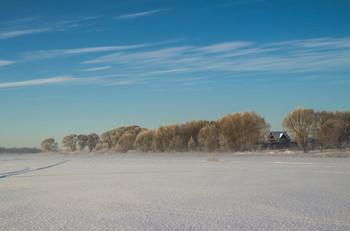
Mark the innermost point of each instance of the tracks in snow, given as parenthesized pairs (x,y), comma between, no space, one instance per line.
(27,170)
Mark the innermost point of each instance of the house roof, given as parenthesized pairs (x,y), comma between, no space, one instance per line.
(280,135)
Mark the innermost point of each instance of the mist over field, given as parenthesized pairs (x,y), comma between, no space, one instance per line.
(173,192)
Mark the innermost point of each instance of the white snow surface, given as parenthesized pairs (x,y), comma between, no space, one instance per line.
(173,192)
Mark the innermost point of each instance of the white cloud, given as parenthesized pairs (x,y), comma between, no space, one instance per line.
(142,57)
(18,21)
(10,34)
(98,68)
(61,25)
(124,82)
(233,58)
(224,47)
(141,14)
(5,62)
(36,82)
(45,54)
(313,55)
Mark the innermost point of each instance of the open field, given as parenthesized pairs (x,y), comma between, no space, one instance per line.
(173,192)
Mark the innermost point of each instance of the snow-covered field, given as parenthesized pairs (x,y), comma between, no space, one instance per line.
(173,192)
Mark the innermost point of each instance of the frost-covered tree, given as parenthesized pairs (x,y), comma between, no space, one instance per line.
(107,138)
(144,140)
(327,129)
(241,132)
(230,127)
(328,134)
(49,145)
(70,142)
(344,123)
(82,141)
(93,140)
(192,147)
(208,138)
(126,142)
(191,129)
(300,124)
(254,130)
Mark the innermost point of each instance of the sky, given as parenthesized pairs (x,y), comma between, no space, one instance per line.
(90,66)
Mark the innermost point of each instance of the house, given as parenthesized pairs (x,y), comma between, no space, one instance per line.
(278,137)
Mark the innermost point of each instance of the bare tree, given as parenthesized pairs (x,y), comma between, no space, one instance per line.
(126,142)
(49,145)
(328,134)
(241,132)
(254,130)
(300,124)
(164,139)
(208,137)
(344,123)
(192,147)
(107,139)
(230,128)
(93,140)
(70,142)
(191,130)
(144,140)
(82,141)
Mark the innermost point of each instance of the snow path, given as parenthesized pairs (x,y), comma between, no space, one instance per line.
(173,192)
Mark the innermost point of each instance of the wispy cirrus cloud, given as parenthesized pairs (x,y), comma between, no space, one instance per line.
(5,62)
(165,63)
(122,82)
(16,33)
(18,21)
(36,82)
(140,14)
(224,47)
(58,25)
(97,68)
(45,54)
(296,56)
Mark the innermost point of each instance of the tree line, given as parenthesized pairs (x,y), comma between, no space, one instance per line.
(23,150)
(330,129)
(233,132)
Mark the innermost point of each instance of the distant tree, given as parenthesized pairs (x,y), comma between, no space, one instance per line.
(191,129)
(82,141)
(164,137)
(300,124)
(177,144)
(344,124)
(126,142)
(192,147)
(328,134)
(144,140)
(241,132)
(208,138)
(99,147)
(49,145)
(19,150)
(231,127)
(70,142)
(254,130)
(93,140)
(326,129)
(107,139)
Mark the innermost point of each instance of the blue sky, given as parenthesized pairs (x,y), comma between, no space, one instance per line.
(90,66)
